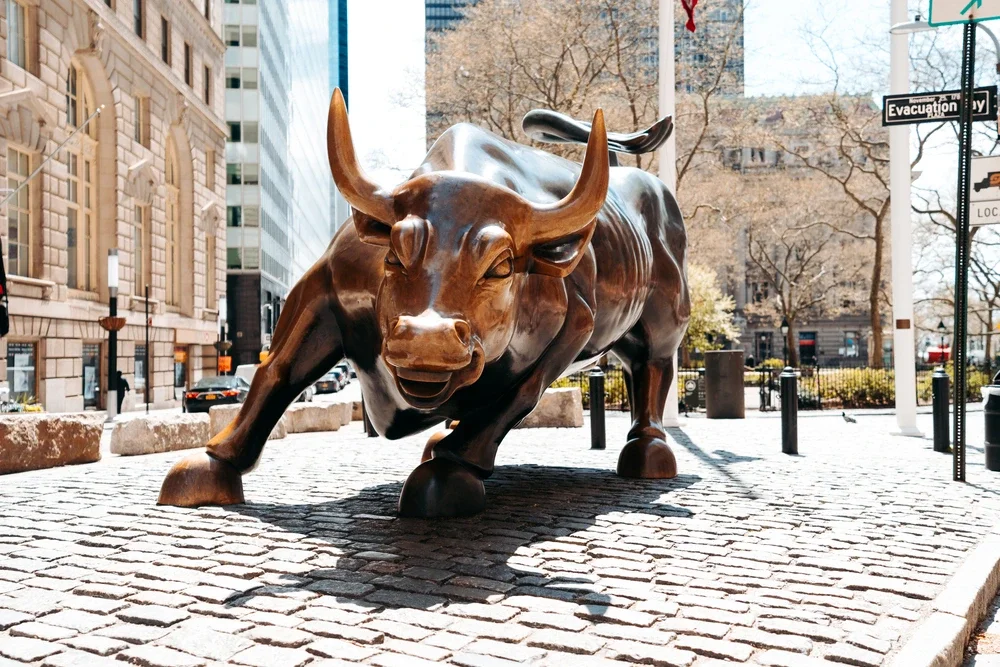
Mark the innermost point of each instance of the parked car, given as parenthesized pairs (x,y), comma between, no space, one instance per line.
(332,382)
(348,372)
(247,371)
(215,390)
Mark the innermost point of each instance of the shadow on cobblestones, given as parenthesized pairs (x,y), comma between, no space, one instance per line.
(403,563)
(718,462)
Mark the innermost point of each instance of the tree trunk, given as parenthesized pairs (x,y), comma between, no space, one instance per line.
(793,350)
(875,315)
(685,355)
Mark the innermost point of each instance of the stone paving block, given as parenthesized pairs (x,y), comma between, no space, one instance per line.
(275,636)
(153,615)
(714,648)
(647,654)
(272,656)
(350,633)
(204,642)
(335,648)
(78,659)
(102,646)
(9,618)
(815,631)
(159,656)
(43,631)
(26,649)
(569,642)
(132,633)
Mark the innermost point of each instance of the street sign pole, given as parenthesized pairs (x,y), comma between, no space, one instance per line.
(962,245)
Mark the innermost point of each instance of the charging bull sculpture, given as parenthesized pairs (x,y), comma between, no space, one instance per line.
(463,294)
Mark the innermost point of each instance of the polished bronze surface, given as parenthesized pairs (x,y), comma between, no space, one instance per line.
(463,294)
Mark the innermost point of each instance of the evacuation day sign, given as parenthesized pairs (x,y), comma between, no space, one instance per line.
(936,107)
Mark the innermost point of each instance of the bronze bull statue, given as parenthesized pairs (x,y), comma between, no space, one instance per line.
(463,294)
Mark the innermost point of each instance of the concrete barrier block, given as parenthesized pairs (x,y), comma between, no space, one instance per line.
(151,434)
(312,417)
(37,441)
(558,408)
(221,415)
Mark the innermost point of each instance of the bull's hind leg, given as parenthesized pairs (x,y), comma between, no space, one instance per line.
(307,343)
(646,454)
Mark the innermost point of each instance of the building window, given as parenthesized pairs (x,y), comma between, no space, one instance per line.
(249,35)
(165,40)
(139,18)
(234,173)
(234,132)
(17,48)
(210,169)
(208,11)
(250,79)
(19,233)
(91,375)
(250,132)
(251,173)
(231,35)
(851,344)
(206,93)
(142,120)
(81,231)
(234,216)
(233,258)
(140,369)
(232,77)
(173,259)
(251,216)
(187,64)
(21,371)
(141,250)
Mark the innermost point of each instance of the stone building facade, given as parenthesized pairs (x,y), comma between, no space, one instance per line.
(145,176)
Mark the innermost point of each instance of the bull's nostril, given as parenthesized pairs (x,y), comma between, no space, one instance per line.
(464,332)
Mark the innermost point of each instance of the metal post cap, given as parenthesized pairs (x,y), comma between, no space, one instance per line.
(788,371)
(940,372)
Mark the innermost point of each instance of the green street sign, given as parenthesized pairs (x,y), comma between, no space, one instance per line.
(950,12)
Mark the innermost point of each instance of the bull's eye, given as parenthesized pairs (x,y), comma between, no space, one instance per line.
(501,268)
(391,259)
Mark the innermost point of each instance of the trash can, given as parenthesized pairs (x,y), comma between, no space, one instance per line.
(991,412)
(724,396)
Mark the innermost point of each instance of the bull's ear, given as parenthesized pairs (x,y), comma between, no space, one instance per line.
(369,229)
(559,258)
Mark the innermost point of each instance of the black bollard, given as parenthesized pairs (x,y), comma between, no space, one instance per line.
(941,393)
(991,412)
(789,412)
(597,435)
(369,429)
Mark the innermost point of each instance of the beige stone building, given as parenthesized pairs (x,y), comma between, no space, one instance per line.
(145,176)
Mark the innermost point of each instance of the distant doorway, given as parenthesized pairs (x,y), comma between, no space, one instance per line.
(807,348)
(92,375)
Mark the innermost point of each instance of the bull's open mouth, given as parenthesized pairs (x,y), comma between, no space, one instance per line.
(422,384)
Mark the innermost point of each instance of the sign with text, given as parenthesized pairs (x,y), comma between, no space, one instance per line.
(984,199)
(947,12)
(936,107)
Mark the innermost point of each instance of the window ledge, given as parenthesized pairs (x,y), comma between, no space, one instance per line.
(47,287)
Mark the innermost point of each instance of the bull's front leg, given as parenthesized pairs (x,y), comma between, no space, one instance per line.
(307,343)
(450,484)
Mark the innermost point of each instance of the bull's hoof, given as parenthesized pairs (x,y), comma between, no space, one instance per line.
(429,447)
(441,488)
(647,457)
(201,479)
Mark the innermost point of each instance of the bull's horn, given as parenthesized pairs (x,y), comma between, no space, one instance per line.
(360,192)
(577,209)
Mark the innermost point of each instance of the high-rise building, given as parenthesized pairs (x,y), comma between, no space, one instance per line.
(136,86)
(309,224)
(339,209)
(258,177)
(444,14)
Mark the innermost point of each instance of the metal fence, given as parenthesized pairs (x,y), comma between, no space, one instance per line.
(819,387)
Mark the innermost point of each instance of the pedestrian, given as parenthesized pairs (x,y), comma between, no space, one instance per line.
(122,388)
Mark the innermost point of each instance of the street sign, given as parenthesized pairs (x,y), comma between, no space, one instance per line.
(947,12)
(984,199)
(936,107)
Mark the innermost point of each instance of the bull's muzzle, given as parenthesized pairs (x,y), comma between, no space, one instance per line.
(426,352)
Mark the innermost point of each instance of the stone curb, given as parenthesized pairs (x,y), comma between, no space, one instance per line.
(940,639)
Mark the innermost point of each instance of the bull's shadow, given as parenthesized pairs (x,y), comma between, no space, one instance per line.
(373,557)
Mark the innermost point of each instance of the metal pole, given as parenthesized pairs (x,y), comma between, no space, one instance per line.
(369,429)
(939,389)
(149,371)
(789,412)
(903,343)
(113,358)
(668,154)
(597,432)
(959,352)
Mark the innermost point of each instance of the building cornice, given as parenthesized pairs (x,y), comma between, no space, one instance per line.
(140,48)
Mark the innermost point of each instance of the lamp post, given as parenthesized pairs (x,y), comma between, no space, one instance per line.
(784,339)
(941,329)
(112,324)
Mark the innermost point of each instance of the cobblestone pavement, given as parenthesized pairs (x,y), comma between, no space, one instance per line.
(748,556)
(984,649)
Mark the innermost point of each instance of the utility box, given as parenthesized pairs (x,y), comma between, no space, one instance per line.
(724,396)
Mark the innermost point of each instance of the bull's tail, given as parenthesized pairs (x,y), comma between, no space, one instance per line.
(556,128)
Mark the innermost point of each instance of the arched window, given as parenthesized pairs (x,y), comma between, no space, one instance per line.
(81,229)
(173,258)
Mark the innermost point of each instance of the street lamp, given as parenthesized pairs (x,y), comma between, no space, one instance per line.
(112,324)
(918,25)
(784,338)
(222,345)
(941,329)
